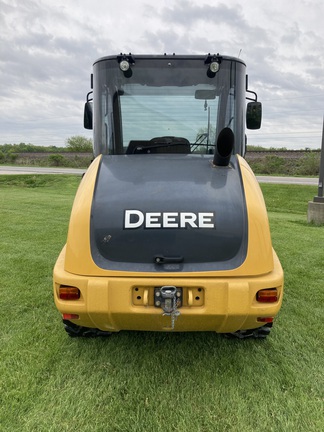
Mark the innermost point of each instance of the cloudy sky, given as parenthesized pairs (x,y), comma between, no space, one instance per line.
(48,48)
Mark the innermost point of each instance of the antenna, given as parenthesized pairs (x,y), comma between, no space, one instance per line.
(239,53)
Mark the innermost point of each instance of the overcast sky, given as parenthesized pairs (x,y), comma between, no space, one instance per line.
(48,48)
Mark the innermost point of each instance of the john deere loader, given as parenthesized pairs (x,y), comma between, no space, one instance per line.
(169,229)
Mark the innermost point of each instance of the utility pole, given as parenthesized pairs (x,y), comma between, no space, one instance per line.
(316,207)
(320,197)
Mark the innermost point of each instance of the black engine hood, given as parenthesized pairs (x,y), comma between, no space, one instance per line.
(168,213)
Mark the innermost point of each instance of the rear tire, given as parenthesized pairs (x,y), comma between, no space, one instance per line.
(258,333)
(73,330)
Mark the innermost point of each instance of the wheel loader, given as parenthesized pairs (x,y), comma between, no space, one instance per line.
(169,230)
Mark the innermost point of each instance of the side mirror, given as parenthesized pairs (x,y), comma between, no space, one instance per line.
(253,115)
(87,118)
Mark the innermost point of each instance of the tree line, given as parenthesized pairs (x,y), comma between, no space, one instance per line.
(78,153)
(74,144)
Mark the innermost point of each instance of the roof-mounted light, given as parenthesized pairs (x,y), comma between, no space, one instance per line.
(124,65)
(214,62)
(125,61)
(214,67)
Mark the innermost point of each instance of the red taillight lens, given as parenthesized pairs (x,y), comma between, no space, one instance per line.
(70,316)
(267,295)
(69,293)
(265,319)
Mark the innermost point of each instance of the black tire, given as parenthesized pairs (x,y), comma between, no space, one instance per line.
(258,333)
(73,330)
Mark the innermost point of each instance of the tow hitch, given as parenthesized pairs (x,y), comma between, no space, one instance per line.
(169,298)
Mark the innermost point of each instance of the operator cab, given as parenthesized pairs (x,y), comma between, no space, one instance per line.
(168,104)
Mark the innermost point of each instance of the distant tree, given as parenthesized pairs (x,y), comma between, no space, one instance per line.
(12,157)
(79,144)
(203,138)
(202,135)
(56,160)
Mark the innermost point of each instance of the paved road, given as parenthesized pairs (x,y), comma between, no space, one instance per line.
(39,170)
(308,181)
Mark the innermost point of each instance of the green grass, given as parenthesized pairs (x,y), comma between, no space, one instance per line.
(153,381)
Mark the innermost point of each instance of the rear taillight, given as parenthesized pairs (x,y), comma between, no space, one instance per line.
(69,293)
(265,319)
(67,316)
(269,295)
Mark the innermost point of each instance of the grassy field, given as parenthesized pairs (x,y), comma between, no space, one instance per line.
(150,381)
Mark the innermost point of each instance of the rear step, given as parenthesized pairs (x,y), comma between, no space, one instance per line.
(259,333)
(73,330)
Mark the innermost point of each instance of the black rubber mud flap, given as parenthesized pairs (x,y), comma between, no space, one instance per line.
(73,330)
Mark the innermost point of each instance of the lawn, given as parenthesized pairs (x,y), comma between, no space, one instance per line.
(136,381)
